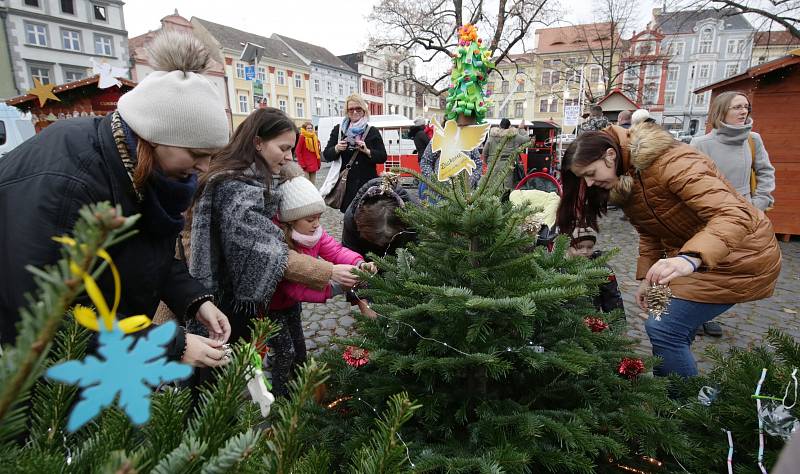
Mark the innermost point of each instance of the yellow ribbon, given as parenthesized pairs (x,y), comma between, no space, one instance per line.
(87,317)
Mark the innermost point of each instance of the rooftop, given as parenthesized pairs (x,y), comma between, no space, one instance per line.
(231,38)
(315,53)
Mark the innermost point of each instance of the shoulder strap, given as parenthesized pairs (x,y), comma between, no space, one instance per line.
(752,144)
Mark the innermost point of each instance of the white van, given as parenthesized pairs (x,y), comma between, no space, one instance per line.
(392,128)
(14,128)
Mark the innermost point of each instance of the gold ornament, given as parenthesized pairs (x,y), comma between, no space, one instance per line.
(452,141)
(532,224)
(43,92)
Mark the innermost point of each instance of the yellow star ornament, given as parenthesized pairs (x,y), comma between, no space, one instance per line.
(452,141)
(43,92)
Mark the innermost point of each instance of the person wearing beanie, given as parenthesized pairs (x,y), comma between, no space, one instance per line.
(143,158)
(239,250)
(299,214)
(608,297)
(418,133)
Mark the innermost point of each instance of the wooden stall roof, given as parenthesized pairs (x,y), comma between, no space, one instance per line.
(91,80)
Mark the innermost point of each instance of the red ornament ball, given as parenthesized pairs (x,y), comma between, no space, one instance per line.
(595,324)
(630,368)
(356,356)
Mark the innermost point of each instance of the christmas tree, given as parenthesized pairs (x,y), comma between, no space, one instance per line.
(720,404)
(223,431)
(500,344)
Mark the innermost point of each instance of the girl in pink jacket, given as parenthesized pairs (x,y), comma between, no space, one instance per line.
(300,211)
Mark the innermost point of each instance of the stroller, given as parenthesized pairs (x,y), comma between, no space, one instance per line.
(543,190)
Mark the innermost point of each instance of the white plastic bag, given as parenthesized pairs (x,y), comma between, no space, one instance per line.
(332,178)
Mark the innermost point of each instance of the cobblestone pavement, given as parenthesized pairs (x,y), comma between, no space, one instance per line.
(743,325)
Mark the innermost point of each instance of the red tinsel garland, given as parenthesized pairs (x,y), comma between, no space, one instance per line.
(595,324)
(630,368)
(355,356)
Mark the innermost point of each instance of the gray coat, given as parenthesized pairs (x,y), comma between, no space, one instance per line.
(730,150)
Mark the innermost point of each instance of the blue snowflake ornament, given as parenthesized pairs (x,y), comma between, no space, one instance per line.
(129,367)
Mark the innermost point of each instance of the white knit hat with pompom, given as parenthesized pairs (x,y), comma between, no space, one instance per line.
(176,105)
(299,197)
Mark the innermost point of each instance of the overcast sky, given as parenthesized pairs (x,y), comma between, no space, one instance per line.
(340,26)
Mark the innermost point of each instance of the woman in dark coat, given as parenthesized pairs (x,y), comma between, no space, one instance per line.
(143,157)
(355,140)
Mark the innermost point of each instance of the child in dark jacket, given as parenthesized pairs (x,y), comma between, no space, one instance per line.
(583,242)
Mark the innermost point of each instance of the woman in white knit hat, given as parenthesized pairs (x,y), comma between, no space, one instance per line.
(238,248)
(143,157)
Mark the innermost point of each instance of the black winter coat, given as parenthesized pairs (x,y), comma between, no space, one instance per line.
(609,297)
(43,184)
(363,167)
(417,133)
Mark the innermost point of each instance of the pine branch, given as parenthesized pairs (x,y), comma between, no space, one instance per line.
(96,228)
(236,450)
(284,444)
(183,459)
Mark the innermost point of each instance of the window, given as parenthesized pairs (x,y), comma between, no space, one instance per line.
(316,85)
(341,89)
(71,75)
(521,84)
(100,12)
(669,98)
(706,40)
(257,101)
(543,105)
(261,74)
(318,106)
(330,107)
(282,104)
(652,70)
(298,83)
(568,102)
(329,87)
(240,70)
(700,99)
(735,46)
(300,108)
(71,40)
(554,105)
(731,69)
(103,45)
(41,73)
(490,112)
(504,87)
(243,103)
(32,3)
(35,34)
(519,105)
(673,72)
(68,6)
(677,48)
(594,75)
(504,111)
(704,72)
(281,75)
(341,107)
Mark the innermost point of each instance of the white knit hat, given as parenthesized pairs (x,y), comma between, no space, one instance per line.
(299,197)
(174,105)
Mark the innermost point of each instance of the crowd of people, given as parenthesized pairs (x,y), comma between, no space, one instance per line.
(252,244)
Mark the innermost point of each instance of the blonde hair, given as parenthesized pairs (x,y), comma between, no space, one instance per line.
(719,107)
(355,97)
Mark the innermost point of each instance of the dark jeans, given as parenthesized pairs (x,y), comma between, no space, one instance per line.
(287,348)
(672,337)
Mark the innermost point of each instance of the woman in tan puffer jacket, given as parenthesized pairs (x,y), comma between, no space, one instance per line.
(696,233)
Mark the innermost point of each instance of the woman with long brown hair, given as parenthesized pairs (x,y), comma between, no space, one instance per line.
(238,249)
(143,157)
(696,233)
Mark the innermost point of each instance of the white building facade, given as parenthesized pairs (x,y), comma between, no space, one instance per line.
(332,80)
(54,40)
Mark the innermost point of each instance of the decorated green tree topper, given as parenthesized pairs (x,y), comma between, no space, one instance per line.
(471,65)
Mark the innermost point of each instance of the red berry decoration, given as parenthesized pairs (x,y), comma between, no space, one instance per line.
(356,356)
(595,324)
(630,368)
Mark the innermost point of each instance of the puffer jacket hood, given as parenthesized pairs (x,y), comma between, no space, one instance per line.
(679,202)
